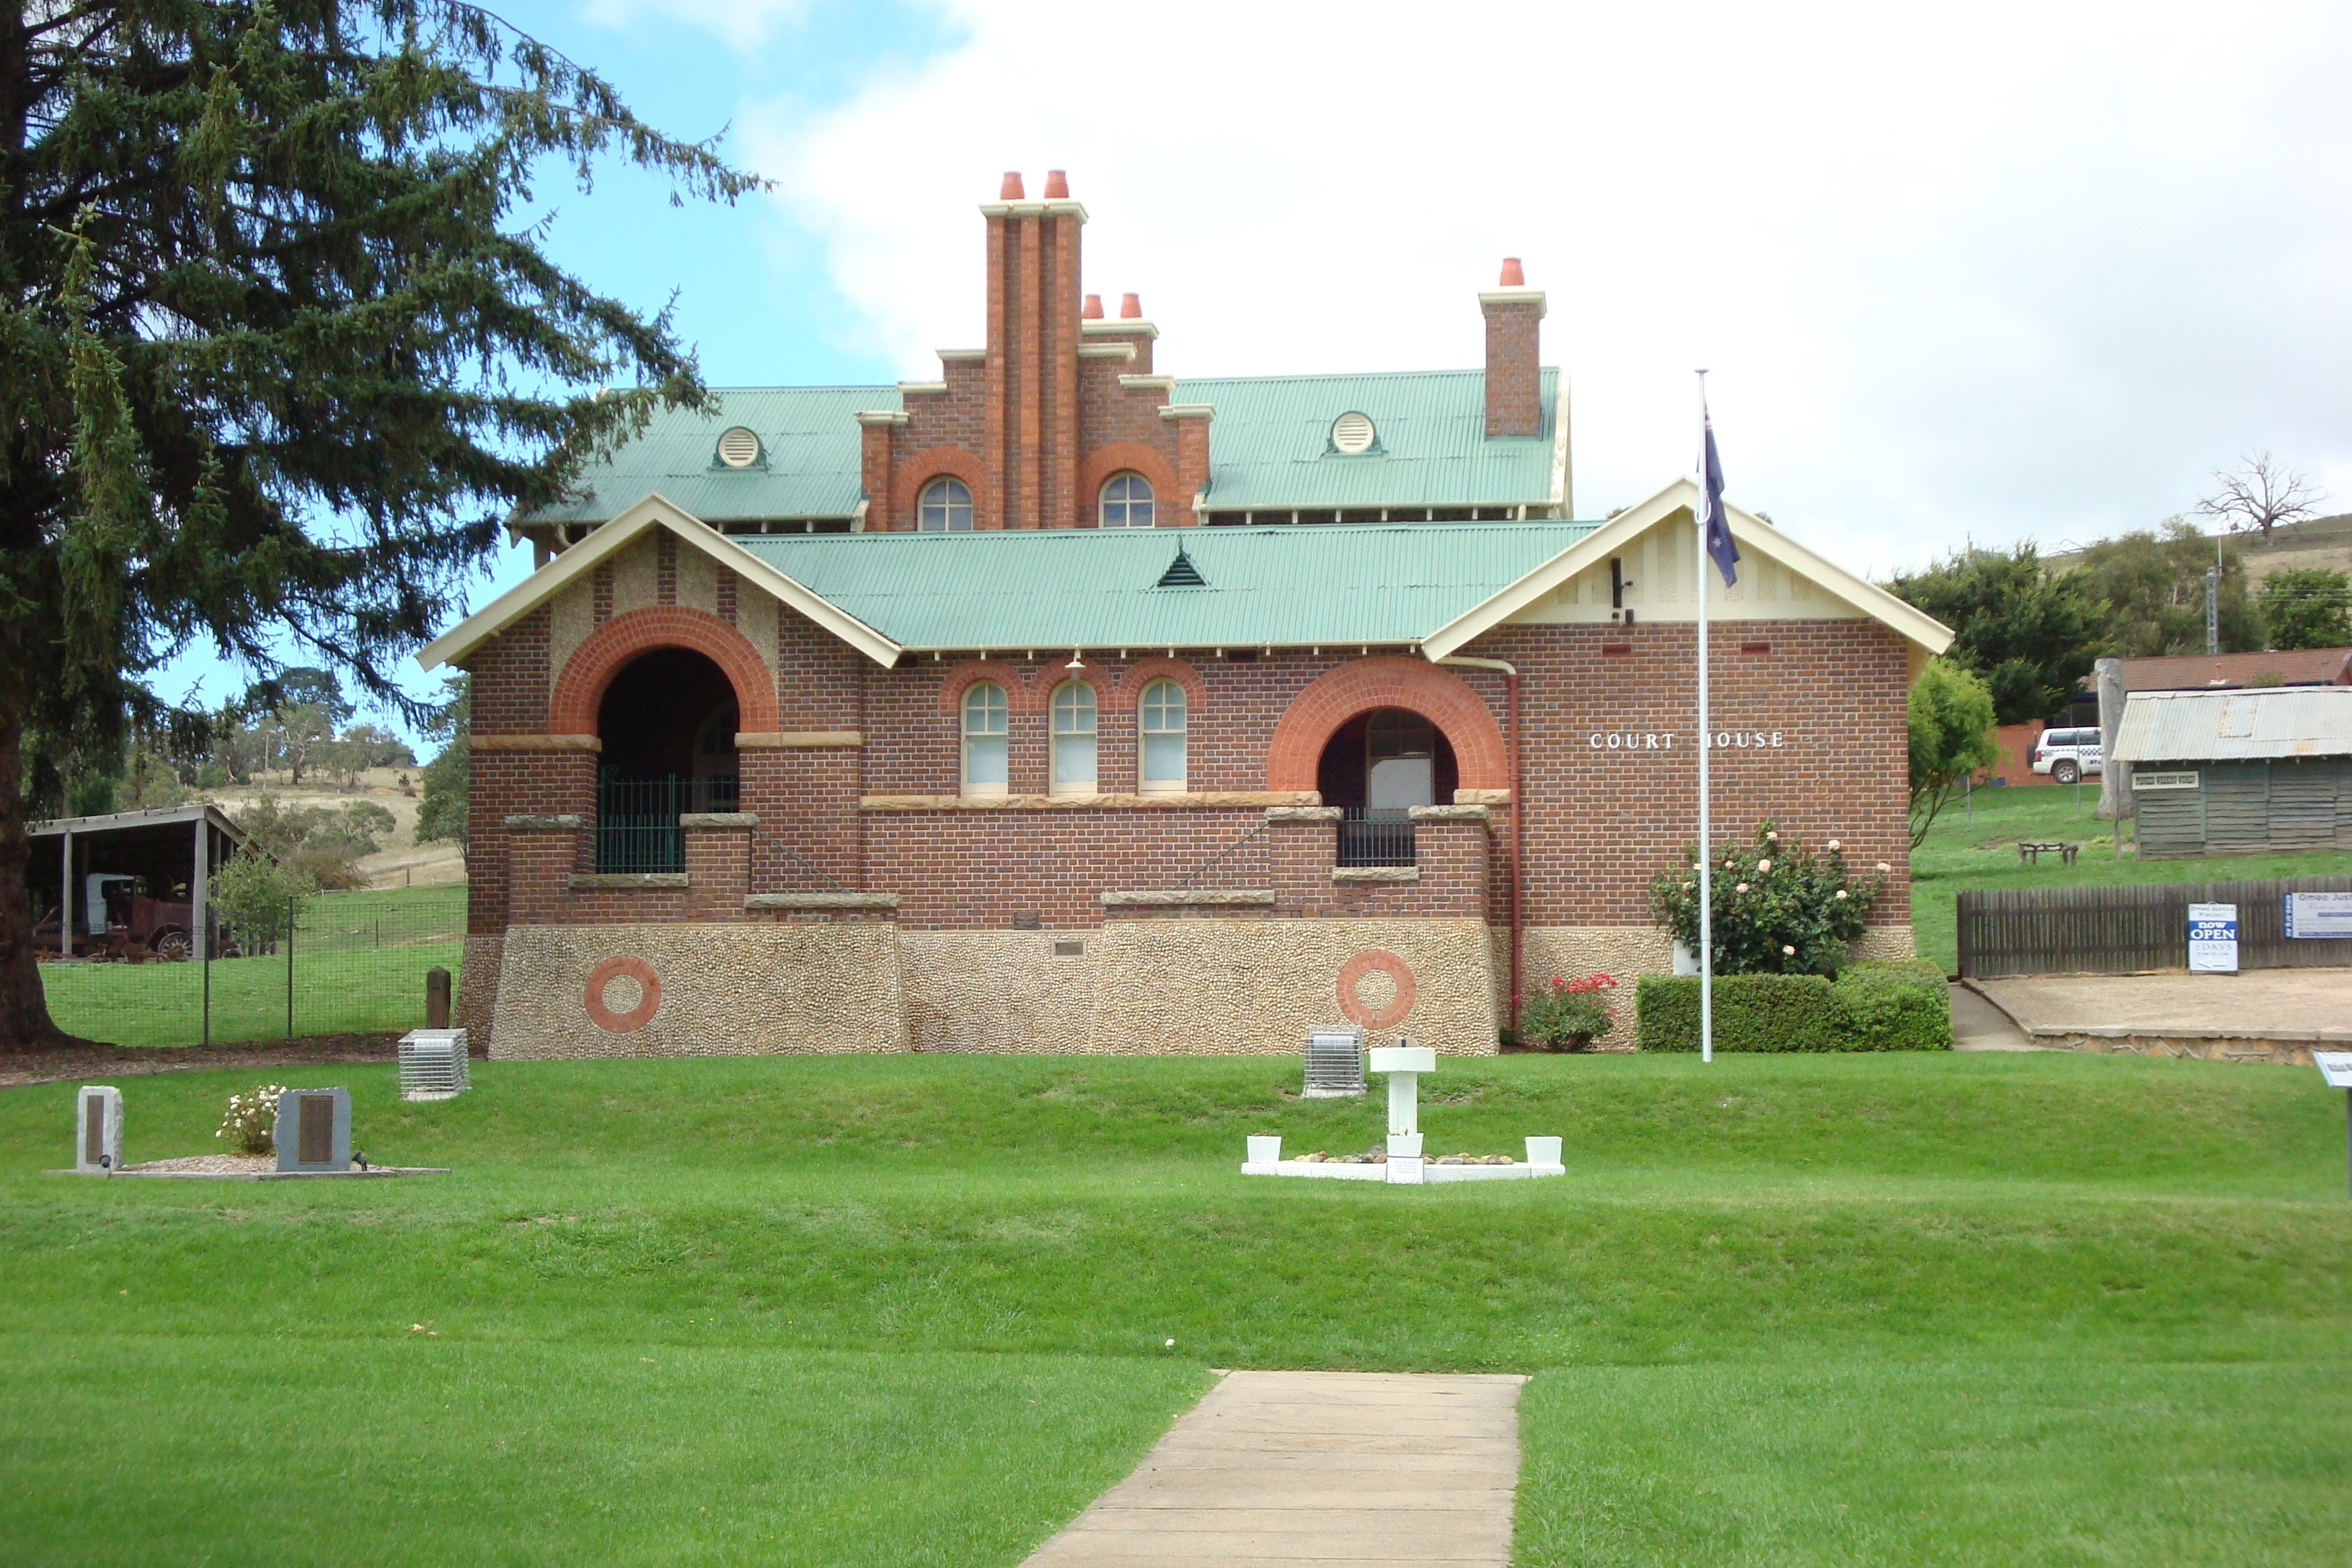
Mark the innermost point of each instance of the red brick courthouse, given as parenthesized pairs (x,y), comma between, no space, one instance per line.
(1061,706)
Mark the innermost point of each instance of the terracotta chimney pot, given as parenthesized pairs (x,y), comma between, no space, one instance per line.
(1093,309)
(1011,189)
(1513,276)
(1130,307)
(1057,185)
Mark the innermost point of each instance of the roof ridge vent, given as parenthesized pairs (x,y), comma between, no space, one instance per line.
(1182,572)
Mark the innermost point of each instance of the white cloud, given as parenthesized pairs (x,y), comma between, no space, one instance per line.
(2021,269)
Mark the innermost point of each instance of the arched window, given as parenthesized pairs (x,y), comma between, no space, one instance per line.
(945,507)
(1161,723)
(1074,738)
(984,763)
(1125,502)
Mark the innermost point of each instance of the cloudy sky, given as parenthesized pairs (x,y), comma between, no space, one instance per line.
(2009,271)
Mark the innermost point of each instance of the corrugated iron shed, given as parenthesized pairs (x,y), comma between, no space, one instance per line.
(2235,726)
(1098,588)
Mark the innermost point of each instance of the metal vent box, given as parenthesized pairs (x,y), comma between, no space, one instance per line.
(433,1064)
(1335,1064)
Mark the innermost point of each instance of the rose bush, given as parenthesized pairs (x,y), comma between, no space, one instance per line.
(250,1125)
(1567,1014)
(1780,909)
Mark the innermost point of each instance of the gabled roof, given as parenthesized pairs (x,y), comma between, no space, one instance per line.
(2194,671)
(652,512)
(1753,533)
(2222,727)
(1269,447)
(1102,588)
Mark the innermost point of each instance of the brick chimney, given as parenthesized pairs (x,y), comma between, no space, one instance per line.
(1030,441)
(1514,354)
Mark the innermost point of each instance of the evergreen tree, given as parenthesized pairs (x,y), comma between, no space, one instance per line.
(2025,633)
(279,348)
(2151,590)
(2307,607)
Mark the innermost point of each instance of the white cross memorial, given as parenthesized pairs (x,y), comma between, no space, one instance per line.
(2335,1067)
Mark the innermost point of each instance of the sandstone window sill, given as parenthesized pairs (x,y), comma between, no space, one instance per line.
(887,901)
(530,824)
(738,820)
(626,881)
(1191,897)
(1449,813)
(1248,799)
(1375,874)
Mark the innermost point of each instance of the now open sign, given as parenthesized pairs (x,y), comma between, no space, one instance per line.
(2213,939)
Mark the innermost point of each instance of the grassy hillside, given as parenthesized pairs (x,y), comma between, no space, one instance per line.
(1901,1310)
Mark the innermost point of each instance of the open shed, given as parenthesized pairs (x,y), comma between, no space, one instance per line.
(127,884)
(2240,772)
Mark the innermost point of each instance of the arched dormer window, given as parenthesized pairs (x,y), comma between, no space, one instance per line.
(945,507)
(984,735)
(1074,738)
(1125,502)
(1160,725)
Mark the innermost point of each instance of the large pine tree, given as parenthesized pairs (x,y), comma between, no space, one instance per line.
(280,348)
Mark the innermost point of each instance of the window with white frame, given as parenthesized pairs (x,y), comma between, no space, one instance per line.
(1074,738)
(1125,502)
(945,507)
(1161,721)
(985,733)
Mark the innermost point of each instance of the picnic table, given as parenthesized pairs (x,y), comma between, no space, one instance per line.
(2032,851)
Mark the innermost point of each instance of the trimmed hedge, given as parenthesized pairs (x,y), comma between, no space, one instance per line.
(1869,1007)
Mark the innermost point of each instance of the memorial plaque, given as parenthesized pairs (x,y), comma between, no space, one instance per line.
(315,1114)
(98,1128)
(314,1130)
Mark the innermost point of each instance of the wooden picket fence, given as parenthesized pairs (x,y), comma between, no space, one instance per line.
(2132,930)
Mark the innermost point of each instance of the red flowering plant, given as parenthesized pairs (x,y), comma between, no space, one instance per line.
(1567,1014)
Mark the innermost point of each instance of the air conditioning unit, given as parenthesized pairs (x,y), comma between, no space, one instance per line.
(433,1064)
(1335,1064)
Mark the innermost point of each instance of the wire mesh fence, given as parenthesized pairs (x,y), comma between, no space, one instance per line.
(339,963)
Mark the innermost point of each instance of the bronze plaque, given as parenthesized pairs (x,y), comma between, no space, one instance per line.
(94,1131)
(315,1142)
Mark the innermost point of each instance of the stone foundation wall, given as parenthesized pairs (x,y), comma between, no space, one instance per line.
(1000,990)
(734,989)
(477,1002)
(1225,986)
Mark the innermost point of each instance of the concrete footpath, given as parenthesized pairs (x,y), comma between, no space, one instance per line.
(1281,1468)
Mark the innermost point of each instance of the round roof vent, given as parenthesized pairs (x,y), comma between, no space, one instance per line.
(1352,433)
(739,447)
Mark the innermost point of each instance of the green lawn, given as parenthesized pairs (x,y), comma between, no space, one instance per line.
(1896,1310)
(1975,846)
(359,962)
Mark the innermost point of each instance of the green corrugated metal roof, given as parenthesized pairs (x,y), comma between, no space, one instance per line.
(810,447)
(1088,588)
(1270,445)
(1269,448)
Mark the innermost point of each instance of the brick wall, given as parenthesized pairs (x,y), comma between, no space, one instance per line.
(1604,816)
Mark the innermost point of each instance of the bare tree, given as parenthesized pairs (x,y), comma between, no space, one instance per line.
(2260,492)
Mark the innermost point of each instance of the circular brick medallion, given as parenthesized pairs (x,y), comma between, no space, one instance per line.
(1376,989)
(623,995)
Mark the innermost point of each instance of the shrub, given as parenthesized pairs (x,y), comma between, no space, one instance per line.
(251,1125)
(1565,1014)
(1895,1007)
(1752,1012)
(1870,1006)
(1778,908)
(254,896)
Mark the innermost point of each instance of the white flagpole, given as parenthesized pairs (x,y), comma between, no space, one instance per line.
(1705,854)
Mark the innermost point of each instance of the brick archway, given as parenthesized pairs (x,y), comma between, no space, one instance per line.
(1124,457)
(918,469)
(580,689)
(1387,680)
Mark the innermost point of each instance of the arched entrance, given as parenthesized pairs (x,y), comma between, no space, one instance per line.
(667,723)
(1376,768)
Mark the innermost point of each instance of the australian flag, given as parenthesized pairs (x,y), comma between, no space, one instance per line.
(1717,527)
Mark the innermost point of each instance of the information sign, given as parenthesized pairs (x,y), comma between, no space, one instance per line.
(2213,939)
(2319,915)
(2335,1066)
